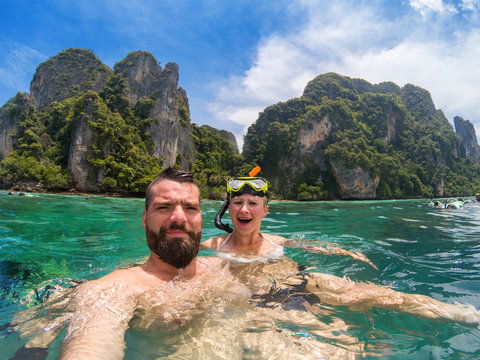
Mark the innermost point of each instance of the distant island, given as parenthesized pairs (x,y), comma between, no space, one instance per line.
(87,128)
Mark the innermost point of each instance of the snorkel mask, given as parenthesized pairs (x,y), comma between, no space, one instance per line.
(237,186)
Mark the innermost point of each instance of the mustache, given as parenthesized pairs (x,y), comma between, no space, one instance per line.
(174,226)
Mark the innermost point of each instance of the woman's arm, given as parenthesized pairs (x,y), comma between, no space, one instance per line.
(333,290)
(328,249)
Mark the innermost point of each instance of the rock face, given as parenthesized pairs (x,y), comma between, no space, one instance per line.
(144,76)
(468,139)
(354,183)
(77,71)
(355,140)
(69,72)
(171,131)
(84,176)
(10,117)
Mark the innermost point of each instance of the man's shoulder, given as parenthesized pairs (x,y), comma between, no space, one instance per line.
(211,264)
(122,276)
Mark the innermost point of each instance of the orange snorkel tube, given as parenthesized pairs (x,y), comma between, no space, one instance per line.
(254,171)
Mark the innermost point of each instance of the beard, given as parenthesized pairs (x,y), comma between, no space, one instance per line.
(176,251)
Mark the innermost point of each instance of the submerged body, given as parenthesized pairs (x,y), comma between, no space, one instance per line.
(103,310)
(247,211)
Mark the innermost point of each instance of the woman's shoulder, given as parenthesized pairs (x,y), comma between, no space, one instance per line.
(215,241)
(277,239)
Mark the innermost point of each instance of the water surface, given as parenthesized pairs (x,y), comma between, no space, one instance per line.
(56,241)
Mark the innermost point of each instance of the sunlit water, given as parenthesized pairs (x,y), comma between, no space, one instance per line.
(50,242)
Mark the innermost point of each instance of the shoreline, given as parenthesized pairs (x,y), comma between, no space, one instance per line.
(142,196)
(74,193)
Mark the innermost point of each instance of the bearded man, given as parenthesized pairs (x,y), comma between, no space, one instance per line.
(168,287)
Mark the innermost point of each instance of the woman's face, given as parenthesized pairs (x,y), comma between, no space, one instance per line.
(247,212)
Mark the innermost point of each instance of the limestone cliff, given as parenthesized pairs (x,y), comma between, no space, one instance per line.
(354,183)
(170,130)
(347,138)
(11,114)
(468,139)
(69,72)
(85,177)
(86,111)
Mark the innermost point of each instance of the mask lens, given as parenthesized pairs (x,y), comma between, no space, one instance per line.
(236,184)
(257,183)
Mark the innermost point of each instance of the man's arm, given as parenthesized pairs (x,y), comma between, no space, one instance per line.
(333,290)
(102,310)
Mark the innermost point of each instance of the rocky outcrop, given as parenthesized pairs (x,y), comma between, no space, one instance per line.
(354,183)
(468,139)
(84,176)
(144,76)
(68,73)
(343,130)
(11,114)
(170,129)
(226,135)
(312,137)
(391,123)
(171,132)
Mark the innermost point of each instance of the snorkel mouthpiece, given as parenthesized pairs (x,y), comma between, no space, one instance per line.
(218,218)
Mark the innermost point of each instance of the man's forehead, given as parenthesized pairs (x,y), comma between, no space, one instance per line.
(168,190)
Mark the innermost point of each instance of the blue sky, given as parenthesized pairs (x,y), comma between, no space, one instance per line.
(237,57)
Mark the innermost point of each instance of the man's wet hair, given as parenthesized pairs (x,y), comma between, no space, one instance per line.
(172,174)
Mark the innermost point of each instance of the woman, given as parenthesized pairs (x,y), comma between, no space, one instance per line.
(247,206)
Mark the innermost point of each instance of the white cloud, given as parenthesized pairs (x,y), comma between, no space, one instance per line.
(427,6)
(16,64)
(471,5)
(448,71)
(363,43)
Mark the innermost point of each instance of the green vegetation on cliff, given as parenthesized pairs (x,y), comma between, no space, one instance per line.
(342,139)
(217,159)
(393,135)
(106,135)
(45,139)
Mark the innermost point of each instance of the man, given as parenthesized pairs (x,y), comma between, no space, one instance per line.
(173,226)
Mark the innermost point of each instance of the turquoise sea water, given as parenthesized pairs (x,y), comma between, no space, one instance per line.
(49,241)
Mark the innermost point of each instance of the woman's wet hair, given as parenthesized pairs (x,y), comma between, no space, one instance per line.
(172,174)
